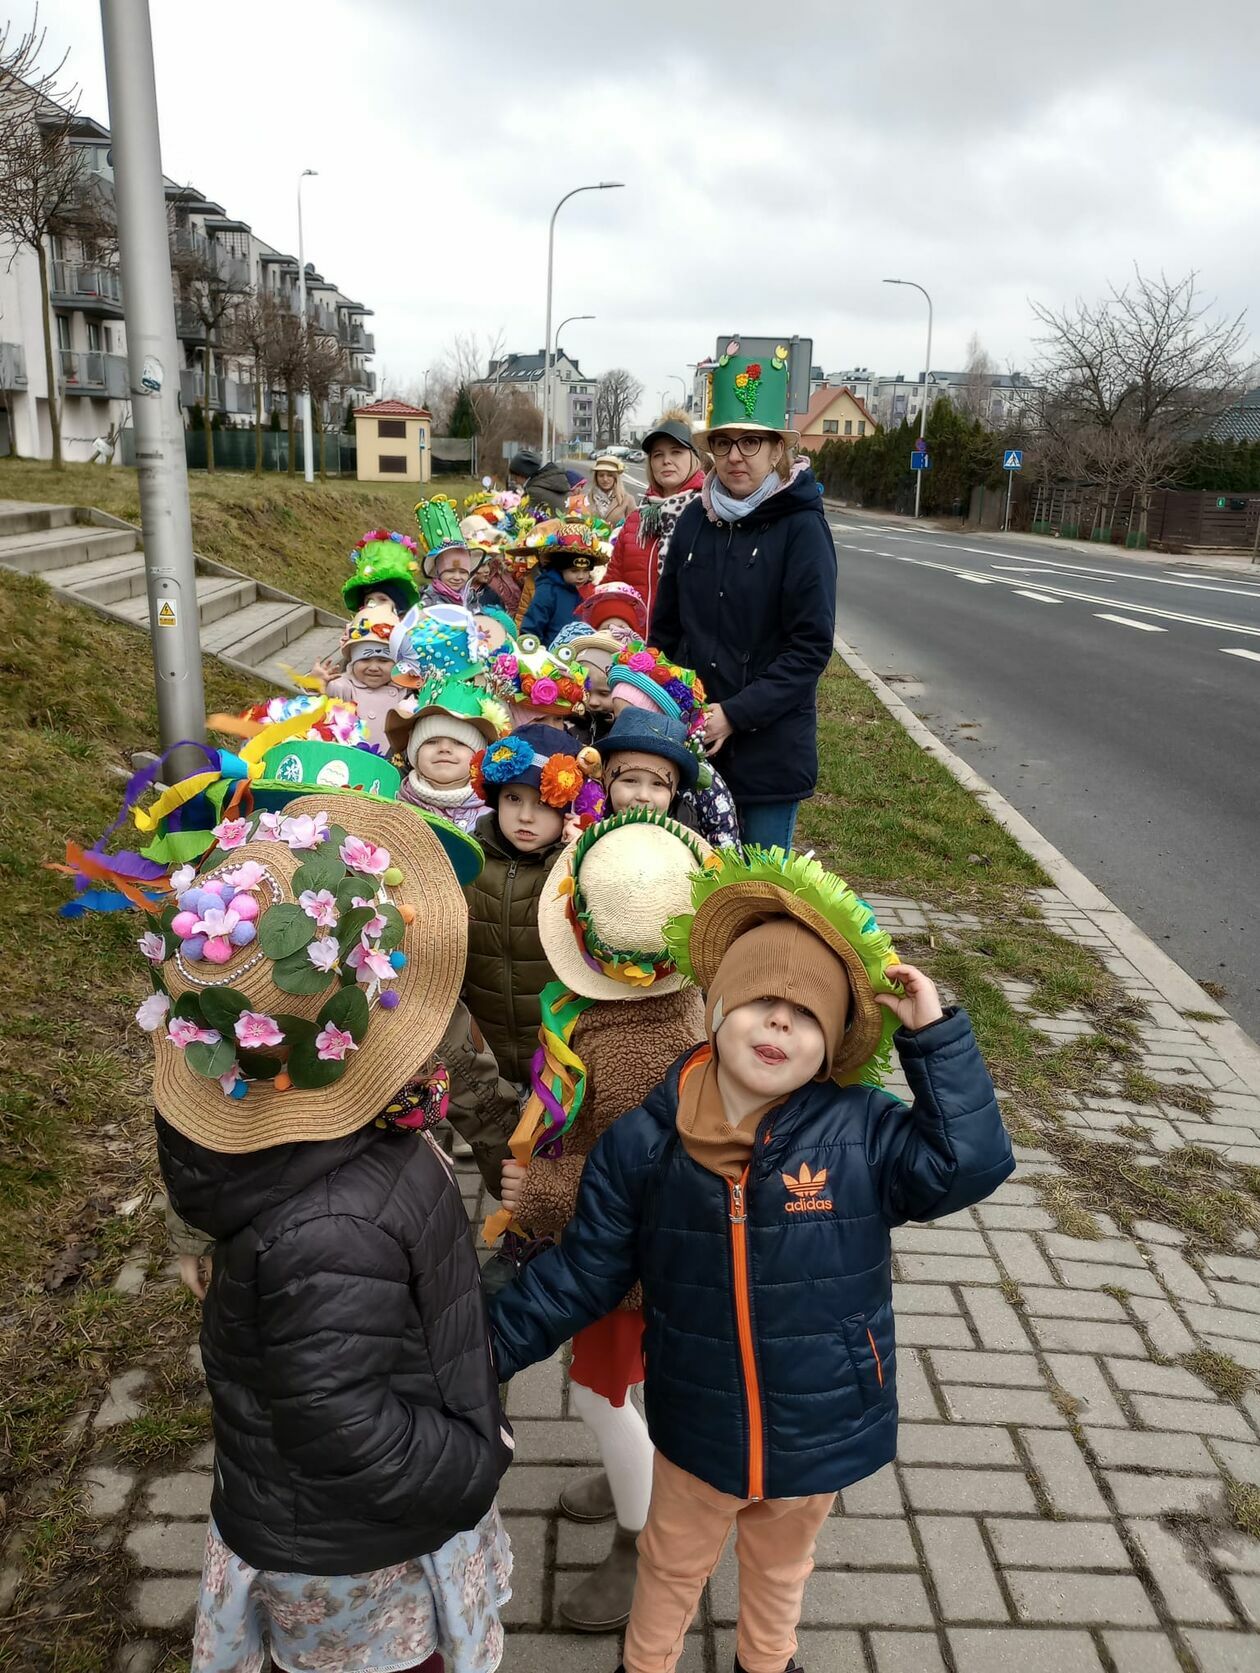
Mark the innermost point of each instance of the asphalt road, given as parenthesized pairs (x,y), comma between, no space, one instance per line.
(1115,703)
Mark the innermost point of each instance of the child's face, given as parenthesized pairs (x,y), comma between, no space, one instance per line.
(443,761)
(525,819)
(644,786)
(770,1047)
(576,577)
(372,672)
(454,567)
(379,601)
(598,693)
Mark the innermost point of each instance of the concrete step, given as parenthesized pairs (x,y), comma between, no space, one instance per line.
(261,631)
(40,550)
(301,653)
(217,596)
(17,517)
(104,580)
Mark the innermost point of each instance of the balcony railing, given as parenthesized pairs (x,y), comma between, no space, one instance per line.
(12,366)
(78,285)
(89,372)
(214,257)
(363,341)
(192,386)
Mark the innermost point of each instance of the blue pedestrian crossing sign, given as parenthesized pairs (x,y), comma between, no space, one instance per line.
(919,461)
(1013,460)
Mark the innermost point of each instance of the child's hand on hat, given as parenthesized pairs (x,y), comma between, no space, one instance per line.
(572,827)
(920,1005)
(510,1190)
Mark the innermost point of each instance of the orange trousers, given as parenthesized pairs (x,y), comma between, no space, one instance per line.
(687,1529)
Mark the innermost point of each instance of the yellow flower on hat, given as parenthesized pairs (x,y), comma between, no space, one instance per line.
(741,378)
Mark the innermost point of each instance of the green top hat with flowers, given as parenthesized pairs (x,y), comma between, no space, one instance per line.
(383,561)
(438,520)
(747,394)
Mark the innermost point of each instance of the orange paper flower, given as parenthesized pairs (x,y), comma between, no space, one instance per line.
(562,778)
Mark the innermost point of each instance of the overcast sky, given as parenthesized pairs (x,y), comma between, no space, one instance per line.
(779,161)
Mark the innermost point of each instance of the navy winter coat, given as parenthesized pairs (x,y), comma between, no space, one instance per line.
(751,607)
(553,606)
(771,1363)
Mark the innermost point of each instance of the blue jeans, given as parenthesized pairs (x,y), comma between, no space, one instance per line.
(768,824)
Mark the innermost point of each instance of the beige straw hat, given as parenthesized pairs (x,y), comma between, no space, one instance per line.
(284,1043)
(602,914)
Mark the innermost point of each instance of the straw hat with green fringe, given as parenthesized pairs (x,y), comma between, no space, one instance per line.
(735,892)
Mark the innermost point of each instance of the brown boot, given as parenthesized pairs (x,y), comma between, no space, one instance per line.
(601,1602)
(588,1500)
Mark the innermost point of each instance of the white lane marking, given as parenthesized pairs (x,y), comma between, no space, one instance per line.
(980,580)
(1092,598)
(1024,568)
(1127,621)
(1042,598)
(1237,650)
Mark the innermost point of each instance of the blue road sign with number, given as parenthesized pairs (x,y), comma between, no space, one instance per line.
(1014,459)
(919,461)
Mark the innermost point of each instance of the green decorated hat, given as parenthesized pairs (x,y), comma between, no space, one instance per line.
(448,708)
(438,520)
(386,562)
(749,394)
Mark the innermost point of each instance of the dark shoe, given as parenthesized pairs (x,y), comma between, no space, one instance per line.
(601,1602)
(588,1500)
(793,1666)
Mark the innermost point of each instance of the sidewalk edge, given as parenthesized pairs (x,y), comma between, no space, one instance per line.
(1227,1038)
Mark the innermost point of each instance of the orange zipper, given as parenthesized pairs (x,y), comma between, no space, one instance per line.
(879,1364)
(743,1318)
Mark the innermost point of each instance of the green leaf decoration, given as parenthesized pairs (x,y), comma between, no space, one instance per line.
(295,1029)
(188,1005)
(336,836)
(348,1008)
(395,929)
(323,869)
(308,1070)
(211,1061)
(351,927)
(296,974)
(347,890)
(257,1065)
(222,1006)
(284,929)
(164,924)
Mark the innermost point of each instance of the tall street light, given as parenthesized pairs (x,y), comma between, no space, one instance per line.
(600,186)
(308,451)
(927,370)
(560,331)
(682,382)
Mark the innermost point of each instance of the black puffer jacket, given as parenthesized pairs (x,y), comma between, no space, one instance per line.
(549,491)
(356,1412)
(751,607)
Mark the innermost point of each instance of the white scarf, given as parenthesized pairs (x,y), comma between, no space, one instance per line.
(731,510)
(442,795)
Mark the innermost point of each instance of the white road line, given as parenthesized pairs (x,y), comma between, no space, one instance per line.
(1042,598)
(980,580)
(1126,621)
(1237,650)
(1024,569)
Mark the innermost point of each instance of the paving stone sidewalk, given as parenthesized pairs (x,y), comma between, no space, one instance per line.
(1059,1504)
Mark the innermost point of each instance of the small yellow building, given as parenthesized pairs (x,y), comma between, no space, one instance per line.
(834,415)
(394,442)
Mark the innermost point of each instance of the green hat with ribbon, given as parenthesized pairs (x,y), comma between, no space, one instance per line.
(383,561)
(747,394)
(438,520)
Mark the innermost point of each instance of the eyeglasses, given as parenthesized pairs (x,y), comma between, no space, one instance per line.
(747,445)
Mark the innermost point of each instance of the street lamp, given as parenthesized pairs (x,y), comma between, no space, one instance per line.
(424,399)
(600,186)
(560,330)
(678,377)
(308,452)
(927,369)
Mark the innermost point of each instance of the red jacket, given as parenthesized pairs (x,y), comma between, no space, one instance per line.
(637,561)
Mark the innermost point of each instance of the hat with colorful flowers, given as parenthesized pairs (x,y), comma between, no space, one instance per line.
(649,680)
(544,758)
(302,972)
(533,676)
(568,542)
(385,562)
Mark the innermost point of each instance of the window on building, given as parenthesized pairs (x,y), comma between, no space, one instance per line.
(94,337)
(392,429)
(392,463)
(831,427)
(861,426)
(848,426)
(63,331)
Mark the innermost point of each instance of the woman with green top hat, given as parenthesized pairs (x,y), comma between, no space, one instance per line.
(747,596)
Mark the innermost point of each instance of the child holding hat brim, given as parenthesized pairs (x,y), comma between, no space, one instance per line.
(753,1195)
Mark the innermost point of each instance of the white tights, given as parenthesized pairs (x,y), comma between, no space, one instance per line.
(625,1449)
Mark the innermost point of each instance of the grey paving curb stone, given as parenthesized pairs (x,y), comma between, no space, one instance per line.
(1224,1035)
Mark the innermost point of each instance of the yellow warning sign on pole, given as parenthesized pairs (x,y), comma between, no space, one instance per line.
(166,614)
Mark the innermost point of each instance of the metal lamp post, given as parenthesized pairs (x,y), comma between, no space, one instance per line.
(927,372)
(308,451)
(560,333)
(600,186)
(678,378)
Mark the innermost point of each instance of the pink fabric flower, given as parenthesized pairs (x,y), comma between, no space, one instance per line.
(152,1013)
(153,946)
(248,875)
(364,856)
(356,955)
(303,831)
(217,921)
(183,1031)
(229,1081)
(379,966)
(372,928)
(321,905)
(231,833)
(255,1031)
(642,662)
(506,667)
(323,953)
(332,1043)
(543,691)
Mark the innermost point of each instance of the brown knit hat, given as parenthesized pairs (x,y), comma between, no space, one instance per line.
(781,959)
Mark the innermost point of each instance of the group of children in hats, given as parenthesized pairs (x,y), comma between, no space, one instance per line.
(514,900)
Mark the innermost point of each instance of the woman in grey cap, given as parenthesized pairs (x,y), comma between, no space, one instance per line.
(675,477)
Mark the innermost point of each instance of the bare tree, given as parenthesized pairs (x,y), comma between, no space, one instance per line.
(44,178)
(974,399)
(327,368)
(286,356)
(210,283)
(250,332)
(616,395)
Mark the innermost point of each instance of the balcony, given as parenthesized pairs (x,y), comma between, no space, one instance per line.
(361,341)
(12,366)
(212,256)
(189,326)
(192,387)
(95,290)
(88,372)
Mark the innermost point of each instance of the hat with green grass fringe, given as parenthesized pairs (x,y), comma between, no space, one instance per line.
(735,892)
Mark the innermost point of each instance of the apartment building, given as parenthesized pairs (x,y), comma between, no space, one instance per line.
(572,391)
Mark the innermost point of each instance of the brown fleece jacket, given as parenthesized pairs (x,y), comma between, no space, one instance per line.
(626,1045)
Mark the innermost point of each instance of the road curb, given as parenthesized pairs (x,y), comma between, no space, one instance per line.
(1226,1037)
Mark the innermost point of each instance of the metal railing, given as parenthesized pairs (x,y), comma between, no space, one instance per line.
(89,372)
(12,366)
(192,386)
(80,283)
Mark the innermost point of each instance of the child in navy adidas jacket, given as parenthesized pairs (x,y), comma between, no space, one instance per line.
(753,1196)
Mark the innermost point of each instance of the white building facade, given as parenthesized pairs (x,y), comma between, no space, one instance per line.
(572,391)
